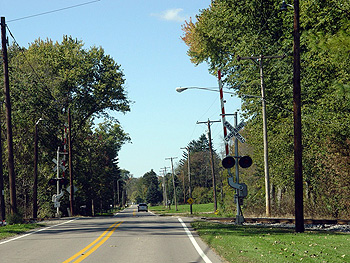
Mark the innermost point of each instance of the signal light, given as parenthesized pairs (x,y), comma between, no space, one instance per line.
(63,181)
(245,161)
(228,162)
(52,181)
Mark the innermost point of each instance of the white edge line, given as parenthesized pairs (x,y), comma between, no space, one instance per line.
(194,242)
(33,232)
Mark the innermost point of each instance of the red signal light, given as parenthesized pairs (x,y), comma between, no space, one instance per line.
(52,181)
(228,162)
(245,161)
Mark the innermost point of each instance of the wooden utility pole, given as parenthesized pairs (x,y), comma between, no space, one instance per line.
(11,166)
(2,198)
(165,195)
(298,147)
(71,194)
(35,185)
(189,176)
(172,172)
(211,162)
(298,168)
(266,151)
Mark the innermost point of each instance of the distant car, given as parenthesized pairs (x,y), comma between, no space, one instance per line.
(142,207)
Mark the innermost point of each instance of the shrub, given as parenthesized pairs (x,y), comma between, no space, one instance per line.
(14,219)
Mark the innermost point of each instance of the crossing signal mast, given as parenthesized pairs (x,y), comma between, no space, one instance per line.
(229,162)
(60,182)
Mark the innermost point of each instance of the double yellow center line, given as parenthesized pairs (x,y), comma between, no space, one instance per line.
(81,255)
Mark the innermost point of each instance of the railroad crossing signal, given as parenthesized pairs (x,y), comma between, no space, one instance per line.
(228,162)
(62,181)
(53,181)
(234,131)
(61,165)
(244,161)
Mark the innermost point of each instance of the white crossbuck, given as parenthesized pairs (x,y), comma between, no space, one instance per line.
(234,131)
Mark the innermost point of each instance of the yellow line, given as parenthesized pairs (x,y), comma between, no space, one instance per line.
(93,243)
(98,245)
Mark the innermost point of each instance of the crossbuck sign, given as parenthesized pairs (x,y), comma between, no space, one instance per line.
(234,131)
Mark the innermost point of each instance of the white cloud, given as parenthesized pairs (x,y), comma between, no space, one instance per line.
(171,15)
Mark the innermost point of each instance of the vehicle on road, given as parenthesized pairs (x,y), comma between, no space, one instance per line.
(142,207)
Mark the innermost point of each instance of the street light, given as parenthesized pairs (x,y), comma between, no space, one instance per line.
(221,91)
(35,185)
(181,89)
(284,6)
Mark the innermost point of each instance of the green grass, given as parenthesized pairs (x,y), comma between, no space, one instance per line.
(12,230)
(265,244)
(206,210)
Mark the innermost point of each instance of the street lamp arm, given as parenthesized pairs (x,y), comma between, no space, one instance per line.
(180,89)
(250,96)
(215,89)
(284,6)
(38,121)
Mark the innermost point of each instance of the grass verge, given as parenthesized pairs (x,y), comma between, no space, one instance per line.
(197,209)
(12,230)
(266,244)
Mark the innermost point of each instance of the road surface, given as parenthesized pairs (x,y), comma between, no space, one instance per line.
(129,236)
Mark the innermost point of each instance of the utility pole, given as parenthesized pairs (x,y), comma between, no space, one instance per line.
(211,161)
(298,168)
(58,183)
(172,172)
(189,175)
(118,190)
(165,195)
(35,185)
(11,166)
(71,194)
(266,152)
(2,197)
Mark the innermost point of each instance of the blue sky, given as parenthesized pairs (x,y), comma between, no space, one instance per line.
(144,37)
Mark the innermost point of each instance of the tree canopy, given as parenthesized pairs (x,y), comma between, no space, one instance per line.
(47,79)
(230,28)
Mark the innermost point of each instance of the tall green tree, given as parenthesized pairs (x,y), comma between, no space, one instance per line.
(153,192)
(46,79)
(200,169)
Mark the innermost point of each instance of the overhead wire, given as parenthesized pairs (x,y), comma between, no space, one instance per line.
(53,11)
(30,65)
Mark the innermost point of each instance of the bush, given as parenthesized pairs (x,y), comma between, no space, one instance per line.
(202,195)
(14,219)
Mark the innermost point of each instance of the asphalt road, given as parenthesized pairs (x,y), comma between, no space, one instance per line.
(129,236)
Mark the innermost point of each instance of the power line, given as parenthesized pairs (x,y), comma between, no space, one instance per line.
(30,65)
(53,11)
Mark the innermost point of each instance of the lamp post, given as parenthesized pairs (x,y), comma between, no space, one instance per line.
(35,185)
